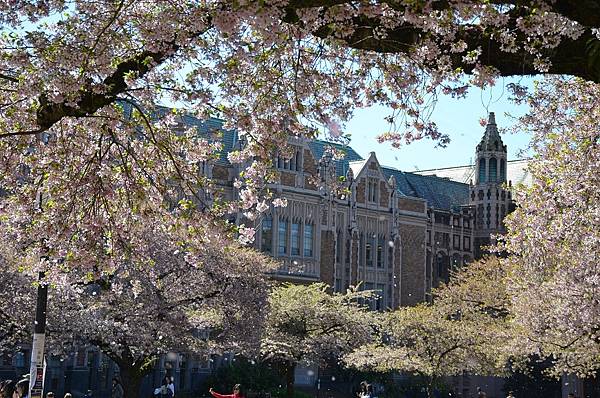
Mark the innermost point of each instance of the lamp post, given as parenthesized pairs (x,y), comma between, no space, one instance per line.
(36,370)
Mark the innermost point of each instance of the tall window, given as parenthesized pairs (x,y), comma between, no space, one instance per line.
(361,254)
(308,240)
(372,191)
(380,256)
(369,251)
(493,170)
(266,243)
(482,170)
(295,238)
(502,170)
(283,229)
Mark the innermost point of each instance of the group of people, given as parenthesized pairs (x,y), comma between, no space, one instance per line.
(166,389)
(52,395)
(365,390)
(14,389)
(20,389)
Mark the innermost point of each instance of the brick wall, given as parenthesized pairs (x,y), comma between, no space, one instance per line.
(412,274)
(384,195)
(288,179)
(327,257)
(411,205)
(220,172)
(360,191)
(310,165)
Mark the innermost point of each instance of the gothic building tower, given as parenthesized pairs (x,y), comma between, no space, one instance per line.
(490,196)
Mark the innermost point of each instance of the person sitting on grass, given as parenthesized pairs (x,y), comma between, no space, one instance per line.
(237,392)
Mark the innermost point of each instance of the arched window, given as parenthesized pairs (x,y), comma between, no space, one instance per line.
(493,170)
(481,170)
(502,170)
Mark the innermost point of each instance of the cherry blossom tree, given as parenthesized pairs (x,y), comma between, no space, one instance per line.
(273,69)
(309,324)
(465,330)
(91,168)
(553,236)
(185,298)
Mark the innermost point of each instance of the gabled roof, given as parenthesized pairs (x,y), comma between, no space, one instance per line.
(211,129)
(317,147)
(440,193)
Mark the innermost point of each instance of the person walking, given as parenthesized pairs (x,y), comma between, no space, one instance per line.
(510,395)
(166,389)
(364,390)
(22,389)
(117,389)
(237,392)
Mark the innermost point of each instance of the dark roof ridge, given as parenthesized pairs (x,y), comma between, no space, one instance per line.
(466,165)
(445,179)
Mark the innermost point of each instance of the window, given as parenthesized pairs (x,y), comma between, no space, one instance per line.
(502,170)
(467,243)
(481,170)
(80,362)
(380,256)
(338,285)
(308,240)
(183,364)
(361,254)
(493,170)
(266,243)
(456,242)
(369,251)
(372,190)
(283,229)
(295,239)
(293,164)
(456,221)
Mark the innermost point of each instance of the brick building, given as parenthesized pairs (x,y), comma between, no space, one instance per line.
(397,232)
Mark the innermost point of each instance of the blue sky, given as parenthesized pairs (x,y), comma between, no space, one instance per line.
(459,118)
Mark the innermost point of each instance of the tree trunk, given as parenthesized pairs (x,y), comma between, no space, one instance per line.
(290,378)
(131,377)
(429,387)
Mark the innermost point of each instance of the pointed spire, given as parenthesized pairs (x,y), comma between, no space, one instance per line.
(491,140)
